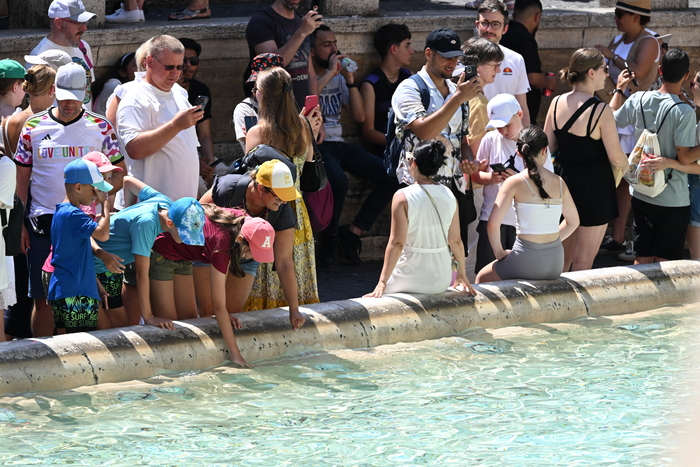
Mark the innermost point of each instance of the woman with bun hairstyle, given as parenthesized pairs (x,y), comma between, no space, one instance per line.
(123,71)
(540,198)
(233,243)
(424,229)
(582,128)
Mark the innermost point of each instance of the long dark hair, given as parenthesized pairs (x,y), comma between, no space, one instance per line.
(113,72)
(531,141)
(233,223)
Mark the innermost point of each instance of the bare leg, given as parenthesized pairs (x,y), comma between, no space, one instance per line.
(487,274)
(185,303)
(2,326)
(130,299)
(692,237)
(569,245)
(202,290)
(587,243)
(42,319)
(103,321)
(624,206)
(117,317)
(237,291)
(163,299)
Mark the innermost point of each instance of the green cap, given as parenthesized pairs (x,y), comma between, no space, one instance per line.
(11,69)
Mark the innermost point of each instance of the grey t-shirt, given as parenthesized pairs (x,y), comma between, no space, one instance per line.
(678,130)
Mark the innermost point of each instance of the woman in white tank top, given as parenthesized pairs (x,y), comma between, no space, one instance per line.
(540,198)
(424,229)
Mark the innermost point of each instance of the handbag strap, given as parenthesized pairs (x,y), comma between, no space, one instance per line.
(317,152)
(438,214)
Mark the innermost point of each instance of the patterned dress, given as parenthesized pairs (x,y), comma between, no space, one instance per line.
(267,291)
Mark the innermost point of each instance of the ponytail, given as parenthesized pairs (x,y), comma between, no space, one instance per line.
(232,223)
(531,141)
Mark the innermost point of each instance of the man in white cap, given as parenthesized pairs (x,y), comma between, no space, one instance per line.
(68,23)
(48,142)
(156,124)
(54,58)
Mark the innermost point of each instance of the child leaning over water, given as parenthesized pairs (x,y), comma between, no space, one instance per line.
(73,287)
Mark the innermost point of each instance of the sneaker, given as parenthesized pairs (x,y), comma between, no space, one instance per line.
(473,5)
(629,255)
(325,251)
(351,244)
(610,246)
(123,16)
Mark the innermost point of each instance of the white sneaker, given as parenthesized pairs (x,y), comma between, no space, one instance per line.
(630,255)
(124,16)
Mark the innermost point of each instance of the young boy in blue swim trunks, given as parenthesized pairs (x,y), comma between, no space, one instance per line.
(73,289)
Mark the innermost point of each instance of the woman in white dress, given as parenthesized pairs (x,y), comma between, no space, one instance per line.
(424,229)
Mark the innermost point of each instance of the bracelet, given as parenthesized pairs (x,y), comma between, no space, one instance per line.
(353,85)
(614,57)
(616,90)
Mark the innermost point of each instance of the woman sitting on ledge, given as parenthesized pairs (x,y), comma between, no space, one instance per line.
(538,252)
(424,229)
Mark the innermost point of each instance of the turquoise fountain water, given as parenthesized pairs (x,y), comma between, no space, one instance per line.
(591,392)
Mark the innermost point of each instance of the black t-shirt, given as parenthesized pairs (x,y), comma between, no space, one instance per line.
(197,88)
(268,25)
(519,39)
(383,91)
(223,193)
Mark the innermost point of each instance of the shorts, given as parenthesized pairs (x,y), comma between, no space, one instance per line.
(659,231)
(36,257)
(163,269)
(112,283)
(75,314)
(130,274)
(46,280)
(532,261)
(250,267)
(694,188)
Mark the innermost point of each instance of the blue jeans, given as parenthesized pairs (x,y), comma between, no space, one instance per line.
(340,157)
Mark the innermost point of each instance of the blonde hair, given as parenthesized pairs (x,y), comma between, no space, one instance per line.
(581,61)
(141,54)
(280,124)
(39,80)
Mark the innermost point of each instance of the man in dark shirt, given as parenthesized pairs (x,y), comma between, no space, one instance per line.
(520,37)
(195,89)
(393,43)
(281,30)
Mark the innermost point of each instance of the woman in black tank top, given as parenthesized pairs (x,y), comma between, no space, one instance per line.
(582,129)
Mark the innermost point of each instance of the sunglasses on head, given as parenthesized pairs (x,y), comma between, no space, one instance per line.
(194,61)
(170,67)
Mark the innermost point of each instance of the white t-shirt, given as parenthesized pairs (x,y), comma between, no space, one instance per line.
(85,60)
(246,108)
(8,181)
(174,169)
(497,149)
(513,76)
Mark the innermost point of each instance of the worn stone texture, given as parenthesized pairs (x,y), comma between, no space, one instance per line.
(84,359)
(34,13)
(656,5)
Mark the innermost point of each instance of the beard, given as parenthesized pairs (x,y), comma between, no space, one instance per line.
(322,64)
(288,5)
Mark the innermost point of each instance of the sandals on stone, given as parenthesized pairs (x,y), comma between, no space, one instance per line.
(188,14)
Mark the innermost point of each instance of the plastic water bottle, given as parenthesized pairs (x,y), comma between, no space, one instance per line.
(646,176)
(348,64)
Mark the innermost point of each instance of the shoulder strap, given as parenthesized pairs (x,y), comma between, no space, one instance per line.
(83,49)
(438,214)
(666,115)
(527,184)
(641,109)
(239,191)
(578,113)
(423,89)
(590,126)
(554,117)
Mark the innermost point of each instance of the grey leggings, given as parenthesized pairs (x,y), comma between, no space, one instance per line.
(534,261)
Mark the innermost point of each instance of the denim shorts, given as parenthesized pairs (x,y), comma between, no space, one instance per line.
(250,267)
(694,188)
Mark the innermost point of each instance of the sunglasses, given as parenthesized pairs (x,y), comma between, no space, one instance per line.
(77,23)
(694,85)
(269,190)
(170,67)
(494,25)
(620,13)
(194,61)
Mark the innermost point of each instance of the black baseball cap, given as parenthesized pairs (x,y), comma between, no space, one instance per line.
(444,41)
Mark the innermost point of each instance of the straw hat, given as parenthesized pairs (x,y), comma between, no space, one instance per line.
(639,7)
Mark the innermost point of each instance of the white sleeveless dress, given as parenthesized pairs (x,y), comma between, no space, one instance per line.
(425,266)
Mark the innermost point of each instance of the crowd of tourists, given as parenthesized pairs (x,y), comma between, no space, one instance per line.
(116,211)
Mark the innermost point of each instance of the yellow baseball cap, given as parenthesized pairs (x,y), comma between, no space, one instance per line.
(276,176)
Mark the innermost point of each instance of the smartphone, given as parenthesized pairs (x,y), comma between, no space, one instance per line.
(216,162)
(202,100)
(309,103)
(498,168)
(634,80)
(315,4)
(468,70)
(250,121)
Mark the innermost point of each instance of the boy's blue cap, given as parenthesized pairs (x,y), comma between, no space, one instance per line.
(188,216)
(87,173)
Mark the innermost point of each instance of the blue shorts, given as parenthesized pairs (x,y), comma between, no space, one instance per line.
(694,188)
(249,266)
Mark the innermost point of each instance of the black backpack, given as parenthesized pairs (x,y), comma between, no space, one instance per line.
(12,227)
(260,154)
(394,146)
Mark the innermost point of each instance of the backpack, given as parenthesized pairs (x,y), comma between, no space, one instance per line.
(394,146)
(12,227)
(237,195)
(259,154)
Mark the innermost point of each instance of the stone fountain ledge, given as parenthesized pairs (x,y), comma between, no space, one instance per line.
(84,359)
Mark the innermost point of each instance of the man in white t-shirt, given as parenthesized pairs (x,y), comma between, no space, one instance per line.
(156,124)
(491,24)
(68,23)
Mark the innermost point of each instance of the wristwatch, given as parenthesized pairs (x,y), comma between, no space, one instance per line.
(616,90)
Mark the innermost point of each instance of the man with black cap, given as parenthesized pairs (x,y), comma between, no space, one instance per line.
(445,118)
(68,23)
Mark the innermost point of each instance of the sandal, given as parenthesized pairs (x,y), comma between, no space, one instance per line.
(188,14)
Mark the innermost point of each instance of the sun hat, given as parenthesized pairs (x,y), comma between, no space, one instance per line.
(101,161)
(260,236)
(276,176)
(501,109)
(639,7)
(263,62)
(87,173)
(70,83)
(71,9)
(53,57)
(444,41)
(11,69)
(188,216)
